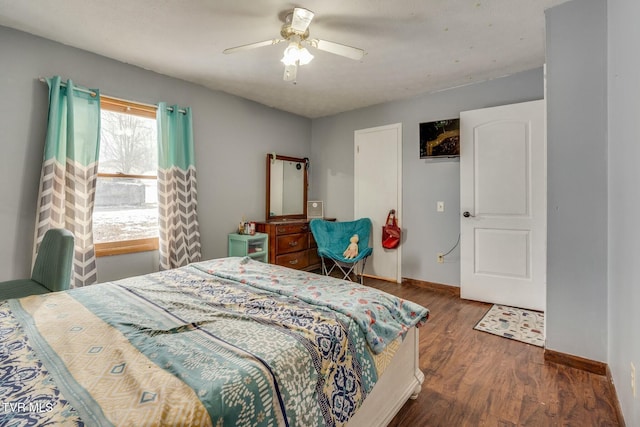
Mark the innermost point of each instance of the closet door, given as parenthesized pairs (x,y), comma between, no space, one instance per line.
(377,189)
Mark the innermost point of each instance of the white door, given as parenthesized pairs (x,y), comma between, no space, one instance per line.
(378,189)
(503,205)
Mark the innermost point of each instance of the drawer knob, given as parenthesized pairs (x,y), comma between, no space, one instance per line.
(293,243)
(293,262)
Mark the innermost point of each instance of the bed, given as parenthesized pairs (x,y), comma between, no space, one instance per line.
(224,342)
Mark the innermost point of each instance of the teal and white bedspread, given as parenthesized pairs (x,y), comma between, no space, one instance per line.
(226,342)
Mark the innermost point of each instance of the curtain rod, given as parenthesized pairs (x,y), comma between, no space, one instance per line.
(93,94)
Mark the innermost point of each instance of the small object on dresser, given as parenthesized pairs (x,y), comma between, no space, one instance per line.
(315,209)
(247,227)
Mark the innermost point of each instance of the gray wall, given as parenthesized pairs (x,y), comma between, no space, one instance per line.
(424,182)
(624,202)
(593,156)
(576,317)
(232,138)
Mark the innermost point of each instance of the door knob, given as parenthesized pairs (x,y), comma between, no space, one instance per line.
(466,214)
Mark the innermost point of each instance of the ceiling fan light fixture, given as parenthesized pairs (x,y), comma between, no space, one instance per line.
(294,54)
(290,56)
(304,56)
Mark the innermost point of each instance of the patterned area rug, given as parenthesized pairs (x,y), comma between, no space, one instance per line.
(514,323)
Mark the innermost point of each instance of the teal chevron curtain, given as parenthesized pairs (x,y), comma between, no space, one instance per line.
(177,194)
(69,171)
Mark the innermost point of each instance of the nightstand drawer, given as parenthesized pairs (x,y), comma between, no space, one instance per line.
(292,243)
(297,260)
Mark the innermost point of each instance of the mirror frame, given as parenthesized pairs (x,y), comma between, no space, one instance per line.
(305,162)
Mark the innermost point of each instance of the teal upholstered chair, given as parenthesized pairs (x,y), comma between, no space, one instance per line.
(51,271)
(332,239)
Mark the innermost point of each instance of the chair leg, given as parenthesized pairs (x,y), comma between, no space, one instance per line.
(347,270)
(364,262)
(330,270)
(325,270)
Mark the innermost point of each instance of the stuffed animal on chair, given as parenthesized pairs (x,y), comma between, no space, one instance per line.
(352,249)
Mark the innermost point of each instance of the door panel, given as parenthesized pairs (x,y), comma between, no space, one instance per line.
(502,190)
(503,253)
(503,201)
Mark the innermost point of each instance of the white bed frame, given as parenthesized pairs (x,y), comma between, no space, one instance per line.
(402,380)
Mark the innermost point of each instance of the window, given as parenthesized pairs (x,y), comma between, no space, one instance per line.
(125,217)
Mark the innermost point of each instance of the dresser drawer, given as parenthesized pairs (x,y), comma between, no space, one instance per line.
(297,260)
(292,243)
(292,228)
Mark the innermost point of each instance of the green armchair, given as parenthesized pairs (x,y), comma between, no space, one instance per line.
(51,271)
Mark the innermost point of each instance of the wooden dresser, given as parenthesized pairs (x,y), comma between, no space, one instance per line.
(291,243)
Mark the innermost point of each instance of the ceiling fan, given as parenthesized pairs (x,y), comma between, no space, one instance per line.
(295,31)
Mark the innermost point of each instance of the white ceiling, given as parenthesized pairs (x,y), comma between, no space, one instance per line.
(412,46)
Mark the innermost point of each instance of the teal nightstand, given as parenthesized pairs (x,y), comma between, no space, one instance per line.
(256,246)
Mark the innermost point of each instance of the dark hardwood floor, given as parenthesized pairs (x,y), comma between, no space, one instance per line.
(474,378)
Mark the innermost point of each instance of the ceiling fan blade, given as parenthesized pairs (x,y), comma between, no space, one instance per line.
(301,19)
(337,49)
(290,73)
(252,46)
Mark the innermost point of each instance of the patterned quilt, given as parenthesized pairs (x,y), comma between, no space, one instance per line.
(225,342)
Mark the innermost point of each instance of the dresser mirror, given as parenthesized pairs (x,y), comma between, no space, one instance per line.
(286,196)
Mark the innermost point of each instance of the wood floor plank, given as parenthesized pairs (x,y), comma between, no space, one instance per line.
(473,378)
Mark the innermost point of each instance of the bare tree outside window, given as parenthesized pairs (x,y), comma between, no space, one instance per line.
(128,144)
(126,202)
